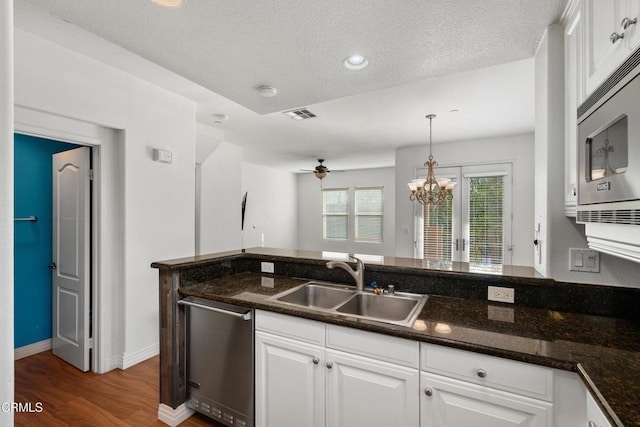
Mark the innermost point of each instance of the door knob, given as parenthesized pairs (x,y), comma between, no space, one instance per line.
(53,266)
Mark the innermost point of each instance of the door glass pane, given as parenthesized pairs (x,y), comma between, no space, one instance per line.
(438,226)
(486,225)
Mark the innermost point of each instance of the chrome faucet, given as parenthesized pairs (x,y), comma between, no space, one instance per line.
(358,273)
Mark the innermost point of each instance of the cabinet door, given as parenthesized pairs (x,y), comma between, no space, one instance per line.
(446,402)
(602,18)
(632,33)
(289,382)
(372,393)
(595,416)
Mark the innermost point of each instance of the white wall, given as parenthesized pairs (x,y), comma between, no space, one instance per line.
(220,200)
(159,198)
(310,210)
(517,149)
(271,216)
(558,232)
(6,209)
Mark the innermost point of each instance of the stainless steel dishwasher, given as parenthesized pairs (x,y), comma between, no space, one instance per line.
(220,361)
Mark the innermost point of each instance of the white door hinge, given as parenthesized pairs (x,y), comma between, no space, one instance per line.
(90,343)
(91,174)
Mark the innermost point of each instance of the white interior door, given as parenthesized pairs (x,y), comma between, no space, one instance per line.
(71,257)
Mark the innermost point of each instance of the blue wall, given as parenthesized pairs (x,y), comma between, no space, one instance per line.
(33,240)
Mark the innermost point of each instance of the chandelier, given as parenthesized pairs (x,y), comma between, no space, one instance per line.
(431,190)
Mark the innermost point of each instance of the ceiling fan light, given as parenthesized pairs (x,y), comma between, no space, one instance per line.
(321,175)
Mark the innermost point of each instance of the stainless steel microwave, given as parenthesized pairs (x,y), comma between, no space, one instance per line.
(609,150)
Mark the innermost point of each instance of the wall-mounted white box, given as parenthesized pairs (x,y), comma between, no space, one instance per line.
(162,156)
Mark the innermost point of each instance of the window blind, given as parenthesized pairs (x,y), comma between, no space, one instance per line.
(369,214)
(335,214)
(438,228)
(486,225)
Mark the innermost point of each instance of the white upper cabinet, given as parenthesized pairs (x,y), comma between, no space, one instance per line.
(607,43)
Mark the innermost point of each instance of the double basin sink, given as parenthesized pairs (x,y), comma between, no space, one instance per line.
(399,309)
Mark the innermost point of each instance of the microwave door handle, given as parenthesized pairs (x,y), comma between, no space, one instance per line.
(587,159)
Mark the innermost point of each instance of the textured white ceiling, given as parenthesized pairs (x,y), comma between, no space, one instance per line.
(297,46)
(425,56)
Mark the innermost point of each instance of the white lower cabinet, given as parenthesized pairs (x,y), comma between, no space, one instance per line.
(309,385)
(289,382)
(447,402)
(367,392)
(595,416)
(312,374)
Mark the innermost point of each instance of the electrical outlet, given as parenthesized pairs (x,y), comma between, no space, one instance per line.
(496,293)
(267,267)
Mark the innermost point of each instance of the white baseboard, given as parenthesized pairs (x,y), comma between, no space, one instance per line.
(31,349)
(128,360)
(173,417)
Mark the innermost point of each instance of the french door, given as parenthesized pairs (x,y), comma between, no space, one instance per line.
(474,227)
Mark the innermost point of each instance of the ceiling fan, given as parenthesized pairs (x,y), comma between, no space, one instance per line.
(320,171)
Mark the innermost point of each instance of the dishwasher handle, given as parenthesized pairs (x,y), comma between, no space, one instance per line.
(243,316)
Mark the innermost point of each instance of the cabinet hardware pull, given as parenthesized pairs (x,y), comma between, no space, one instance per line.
(316,360)
(482,373)
(428,391)
(627,22)
(615,37)
(457,244)
(329,365)
(463,244)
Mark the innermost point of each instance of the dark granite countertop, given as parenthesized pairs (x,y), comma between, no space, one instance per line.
(371,260)
(604,351)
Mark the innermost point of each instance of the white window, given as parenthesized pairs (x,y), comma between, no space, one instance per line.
(476,226)
(335,213)
(369,214)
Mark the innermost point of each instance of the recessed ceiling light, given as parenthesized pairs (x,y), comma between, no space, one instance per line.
(355,62)
(267,91)
(169,3)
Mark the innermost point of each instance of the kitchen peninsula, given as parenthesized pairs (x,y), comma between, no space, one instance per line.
(588,329)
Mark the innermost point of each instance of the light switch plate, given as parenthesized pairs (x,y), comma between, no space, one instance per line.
(586,260)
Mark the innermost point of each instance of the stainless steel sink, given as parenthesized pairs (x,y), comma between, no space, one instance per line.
(399,309)
(316,295)
(383,307)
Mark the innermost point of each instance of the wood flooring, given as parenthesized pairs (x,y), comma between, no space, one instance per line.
(72,398)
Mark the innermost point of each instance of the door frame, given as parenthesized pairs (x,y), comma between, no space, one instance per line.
(107,236)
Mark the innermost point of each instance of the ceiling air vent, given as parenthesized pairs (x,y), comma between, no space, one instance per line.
(300,114)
